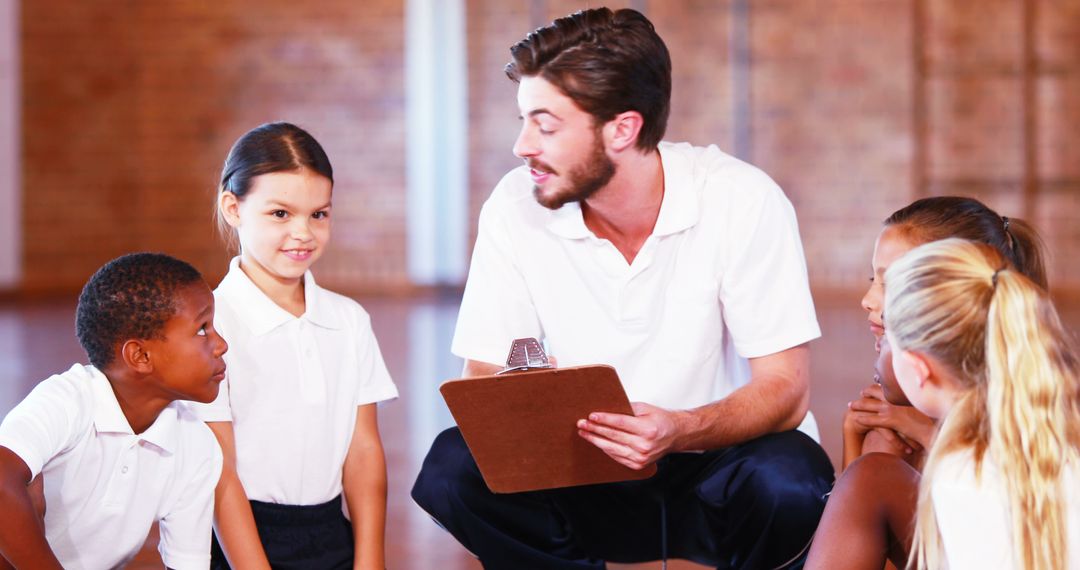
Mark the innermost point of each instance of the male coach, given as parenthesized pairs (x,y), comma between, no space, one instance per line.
(681,267)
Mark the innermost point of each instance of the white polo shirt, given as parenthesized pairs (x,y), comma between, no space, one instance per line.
(292,387)
(105,485)
(974,519)
(722,273)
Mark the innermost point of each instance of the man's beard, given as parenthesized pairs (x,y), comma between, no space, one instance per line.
(583,179)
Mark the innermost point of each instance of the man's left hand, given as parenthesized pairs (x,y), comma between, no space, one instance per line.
(635,441)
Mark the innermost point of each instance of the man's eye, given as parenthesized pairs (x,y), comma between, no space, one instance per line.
(279,213)
(202,331)
(321,215)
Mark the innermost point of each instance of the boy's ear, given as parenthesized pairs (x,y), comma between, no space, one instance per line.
(229,205)
(136,356)
(622,132)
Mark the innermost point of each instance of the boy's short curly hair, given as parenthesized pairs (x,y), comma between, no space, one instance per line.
(130,297)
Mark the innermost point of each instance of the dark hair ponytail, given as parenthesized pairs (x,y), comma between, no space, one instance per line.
(941,217)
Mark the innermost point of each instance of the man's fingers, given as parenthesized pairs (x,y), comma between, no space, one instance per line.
(621,422)
(616,451)
(611,434)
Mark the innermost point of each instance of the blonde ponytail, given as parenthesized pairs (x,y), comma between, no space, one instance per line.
(1031,402)
(998,332)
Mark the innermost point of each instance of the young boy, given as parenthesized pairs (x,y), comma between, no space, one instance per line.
(114,449)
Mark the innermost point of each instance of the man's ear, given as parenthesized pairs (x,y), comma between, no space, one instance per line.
(622,132)
(229,205)
(136,356)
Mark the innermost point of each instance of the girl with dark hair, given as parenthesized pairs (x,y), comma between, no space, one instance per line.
(875,422)
(296,417)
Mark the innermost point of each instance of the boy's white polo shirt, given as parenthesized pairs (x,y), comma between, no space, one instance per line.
(105,485)
(292,387)
(722,278)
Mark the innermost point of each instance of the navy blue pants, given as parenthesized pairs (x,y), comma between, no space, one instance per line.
(750,506)
(299,537)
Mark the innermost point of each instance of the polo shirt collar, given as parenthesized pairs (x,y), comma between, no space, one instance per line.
(568,222)
(261,314)
(678,209)
(109,418)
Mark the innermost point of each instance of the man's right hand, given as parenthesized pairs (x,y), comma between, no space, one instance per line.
(635,441)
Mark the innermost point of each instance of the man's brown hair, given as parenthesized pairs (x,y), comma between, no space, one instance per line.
(607,62)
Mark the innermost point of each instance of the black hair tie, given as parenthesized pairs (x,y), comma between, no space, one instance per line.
(993,278)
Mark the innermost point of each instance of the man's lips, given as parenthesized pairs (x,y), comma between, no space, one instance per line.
(540,171)
(218,376)
(539,177)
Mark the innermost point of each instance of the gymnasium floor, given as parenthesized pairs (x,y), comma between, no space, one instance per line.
(37,339)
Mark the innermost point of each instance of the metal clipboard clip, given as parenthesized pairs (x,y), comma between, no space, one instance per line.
(525,354)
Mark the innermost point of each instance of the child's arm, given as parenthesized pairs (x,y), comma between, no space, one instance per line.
(872,411)
(854,433)
(233,521)
(364,481)
(860,438)
(22,539)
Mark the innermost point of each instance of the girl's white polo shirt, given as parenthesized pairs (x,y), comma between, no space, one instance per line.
(105,485)
(293,386)
(721,279)
(973,516)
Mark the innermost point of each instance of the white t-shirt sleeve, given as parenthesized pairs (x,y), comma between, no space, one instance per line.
(47,423)
(497,306)
(185,529)
(764,288)
(376,384)
(972,515)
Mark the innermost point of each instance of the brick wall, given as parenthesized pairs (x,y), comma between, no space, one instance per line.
(130,108)
(855,107)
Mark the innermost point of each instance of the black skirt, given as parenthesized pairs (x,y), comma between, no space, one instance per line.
(299,537)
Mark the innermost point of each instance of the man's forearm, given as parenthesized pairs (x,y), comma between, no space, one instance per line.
(766,405)
(475,368)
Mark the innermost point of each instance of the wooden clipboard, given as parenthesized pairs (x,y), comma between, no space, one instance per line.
(522,427)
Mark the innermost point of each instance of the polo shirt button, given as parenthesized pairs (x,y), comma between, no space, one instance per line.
(124,469)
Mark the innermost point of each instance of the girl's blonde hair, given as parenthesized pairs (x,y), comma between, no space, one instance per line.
(962,304)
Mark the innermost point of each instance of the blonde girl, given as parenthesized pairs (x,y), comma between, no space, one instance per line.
(979,345)
(296,415)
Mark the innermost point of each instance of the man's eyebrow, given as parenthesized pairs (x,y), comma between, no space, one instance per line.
(541,111)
